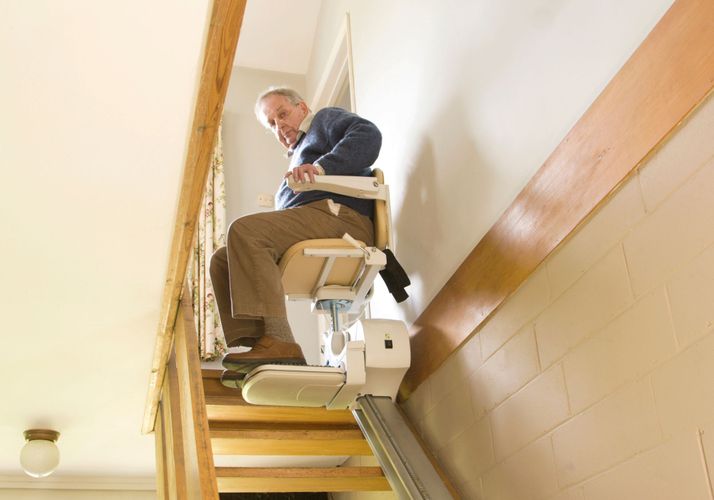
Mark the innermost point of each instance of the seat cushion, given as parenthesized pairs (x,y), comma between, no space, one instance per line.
(300,272)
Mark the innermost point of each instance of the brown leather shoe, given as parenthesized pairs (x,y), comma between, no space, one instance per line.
(242,342)
(232,379)
(268,350)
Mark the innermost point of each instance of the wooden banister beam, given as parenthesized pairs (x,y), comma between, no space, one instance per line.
(221,42)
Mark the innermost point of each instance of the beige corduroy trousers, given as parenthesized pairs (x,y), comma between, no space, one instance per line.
(245,273)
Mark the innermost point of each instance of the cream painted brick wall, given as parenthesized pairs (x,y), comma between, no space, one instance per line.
(684,388)
(677,231)
(527,302)
(616,428)
(691,298)
(707,443)
(599,234)
(673,470)
(596,298)
(681,156)
(459,458)
(629,347)
(509,369)
(569,494)
(452,416)
(595,380)
(539,407)
(528,474)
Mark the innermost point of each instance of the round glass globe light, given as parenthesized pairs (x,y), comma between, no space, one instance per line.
(39,457)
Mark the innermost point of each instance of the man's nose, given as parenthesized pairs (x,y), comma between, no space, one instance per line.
(280,124)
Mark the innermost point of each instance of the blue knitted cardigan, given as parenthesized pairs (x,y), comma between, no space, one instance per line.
(342,143)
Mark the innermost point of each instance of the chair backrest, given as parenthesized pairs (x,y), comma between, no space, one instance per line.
(381,229)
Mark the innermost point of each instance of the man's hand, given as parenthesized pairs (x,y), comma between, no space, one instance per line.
(304,173)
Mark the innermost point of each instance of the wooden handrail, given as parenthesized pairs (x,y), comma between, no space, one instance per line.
(219,51)
(665,79)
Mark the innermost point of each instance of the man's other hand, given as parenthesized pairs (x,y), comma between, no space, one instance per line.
(304,173)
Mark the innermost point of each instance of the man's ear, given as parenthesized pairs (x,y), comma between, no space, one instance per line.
(303,107)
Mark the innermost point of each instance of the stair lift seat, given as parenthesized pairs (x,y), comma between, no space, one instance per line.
(337,276)
(336,268)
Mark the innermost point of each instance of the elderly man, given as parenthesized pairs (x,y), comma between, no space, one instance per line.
(245,272)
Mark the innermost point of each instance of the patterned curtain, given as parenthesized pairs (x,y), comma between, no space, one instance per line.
(210,235)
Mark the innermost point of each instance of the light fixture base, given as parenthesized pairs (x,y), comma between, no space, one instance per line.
(44,434)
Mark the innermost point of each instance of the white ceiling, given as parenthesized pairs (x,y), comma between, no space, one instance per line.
(96,102)
(96,107)
(277,35)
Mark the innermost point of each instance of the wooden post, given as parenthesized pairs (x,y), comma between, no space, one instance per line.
(173,433)
(160,443)
(185,381)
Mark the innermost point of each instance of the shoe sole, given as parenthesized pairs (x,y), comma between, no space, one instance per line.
(246,366)
(233,384)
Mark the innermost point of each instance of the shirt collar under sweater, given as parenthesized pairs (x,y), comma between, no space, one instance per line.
(303,128)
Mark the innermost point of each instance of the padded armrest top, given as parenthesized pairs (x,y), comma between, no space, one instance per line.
(298,248)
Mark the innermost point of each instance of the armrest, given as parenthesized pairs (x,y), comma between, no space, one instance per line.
(348,185)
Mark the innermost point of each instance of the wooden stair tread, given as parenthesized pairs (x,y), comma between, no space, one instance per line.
(238,428)
(318,434)
(289,441)
(299,471)
(300,479)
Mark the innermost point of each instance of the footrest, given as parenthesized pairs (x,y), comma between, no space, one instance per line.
(285,385)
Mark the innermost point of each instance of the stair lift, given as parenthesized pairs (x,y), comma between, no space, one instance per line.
(364,359)
(368,356)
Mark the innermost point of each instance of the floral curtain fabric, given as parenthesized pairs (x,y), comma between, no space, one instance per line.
(210,235)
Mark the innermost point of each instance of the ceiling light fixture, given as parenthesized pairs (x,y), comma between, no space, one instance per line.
(40,455)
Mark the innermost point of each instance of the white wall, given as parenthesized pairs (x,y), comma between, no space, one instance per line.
(471,97)
(593,382)
(253,158)
(254,163)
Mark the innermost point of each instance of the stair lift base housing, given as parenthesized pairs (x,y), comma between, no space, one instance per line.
(374,365)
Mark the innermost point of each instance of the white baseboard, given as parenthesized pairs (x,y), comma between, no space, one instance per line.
(79,483)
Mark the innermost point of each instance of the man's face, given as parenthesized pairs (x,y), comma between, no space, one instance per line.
(283,117)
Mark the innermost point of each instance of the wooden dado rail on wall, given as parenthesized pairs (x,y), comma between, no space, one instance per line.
(664,80)
(219,51)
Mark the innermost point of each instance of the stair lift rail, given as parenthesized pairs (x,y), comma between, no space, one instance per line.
(406,466)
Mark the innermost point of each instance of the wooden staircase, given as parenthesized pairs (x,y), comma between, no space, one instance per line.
(191,415)
(200,420)
(237,428)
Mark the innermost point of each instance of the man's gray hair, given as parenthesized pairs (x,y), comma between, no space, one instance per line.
(287,92)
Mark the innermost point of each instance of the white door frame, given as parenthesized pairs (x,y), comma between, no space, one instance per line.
(337,69)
